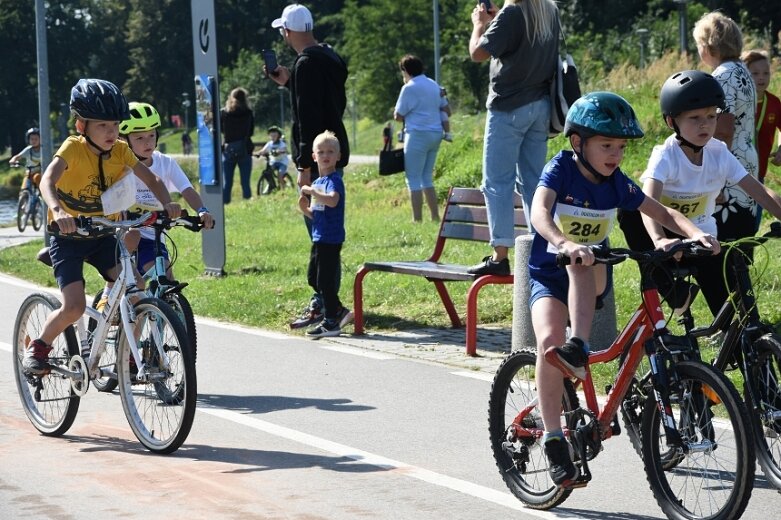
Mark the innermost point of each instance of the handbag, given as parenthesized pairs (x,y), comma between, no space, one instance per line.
(391,160)
(565,90)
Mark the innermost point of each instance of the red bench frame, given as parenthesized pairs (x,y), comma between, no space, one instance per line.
(465,218)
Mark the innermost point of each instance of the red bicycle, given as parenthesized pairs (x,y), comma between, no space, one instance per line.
(696,446)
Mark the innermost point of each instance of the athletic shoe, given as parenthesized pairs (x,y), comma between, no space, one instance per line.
(488,266)
(559,452)
(36,359)
(327,328)
(311,315)
(344,317)
(570,358)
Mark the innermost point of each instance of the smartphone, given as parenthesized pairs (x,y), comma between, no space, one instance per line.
(487,4)
(270,59)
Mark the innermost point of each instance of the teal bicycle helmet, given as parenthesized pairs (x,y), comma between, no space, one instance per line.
(602,113)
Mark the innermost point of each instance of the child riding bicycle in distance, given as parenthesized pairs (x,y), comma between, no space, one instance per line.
(688,172)
(141,132)
(31,155)
(79,181)
(327,213)
(573,207)
(277,149)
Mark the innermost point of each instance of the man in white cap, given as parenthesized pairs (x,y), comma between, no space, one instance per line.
(318,99)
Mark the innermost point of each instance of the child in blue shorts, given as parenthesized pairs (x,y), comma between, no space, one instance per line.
(574,206)
(77,182)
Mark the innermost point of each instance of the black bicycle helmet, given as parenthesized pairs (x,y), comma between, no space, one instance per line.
(100,100)
(690,90)
(31,131)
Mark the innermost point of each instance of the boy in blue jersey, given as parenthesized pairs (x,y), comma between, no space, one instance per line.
(574,206)
(327,213)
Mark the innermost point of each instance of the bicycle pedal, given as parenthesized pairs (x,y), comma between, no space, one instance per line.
(577,483)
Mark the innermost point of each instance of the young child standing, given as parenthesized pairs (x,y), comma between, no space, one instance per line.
(277,149)
(75,183)
(574,206)
(688,172)
(444,115)
(768,113)
(327,213)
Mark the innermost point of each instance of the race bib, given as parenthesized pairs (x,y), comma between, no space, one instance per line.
(316,205)
(120,196)
(692,205)
(582,225)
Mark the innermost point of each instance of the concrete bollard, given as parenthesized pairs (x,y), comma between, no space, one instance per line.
(603,328)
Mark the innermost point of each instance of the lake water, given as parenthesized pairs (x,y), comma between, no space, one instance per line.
(7,211)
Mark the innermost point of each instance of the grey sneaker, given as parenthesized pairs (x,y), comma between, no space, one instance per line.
(309,316)
(36,358)
(562,470)
(571,358)
(327,328)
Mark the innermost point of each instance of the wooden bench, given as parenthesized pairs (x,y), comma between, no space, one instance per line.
(465,218)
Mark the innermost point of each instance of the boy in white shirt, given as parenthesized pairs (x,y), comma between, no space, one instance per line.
(277,150)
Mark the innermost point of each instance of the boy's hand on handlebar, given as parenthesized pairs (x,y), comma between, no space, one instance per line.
(709,241)
(173,209)
(577,254)
(207,219)
(64,222)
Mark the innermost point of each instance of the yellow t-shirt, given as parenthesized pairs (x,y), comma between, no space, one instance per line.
(79,186)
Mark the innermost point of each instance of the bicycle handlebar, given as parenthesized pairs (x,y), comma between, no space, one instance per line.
(616,255)
(87,226)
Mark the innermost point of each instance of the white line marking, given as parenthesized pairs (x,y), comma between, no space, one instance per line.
(474,374)
(5,346)
(355,351)
(365,457)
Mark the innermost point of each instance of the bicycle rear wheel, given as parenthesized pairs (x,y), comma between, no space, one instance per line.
(522,461)
(765,378)
(267,183)
(160,409)
(49,401)
(21,210)
(715,475)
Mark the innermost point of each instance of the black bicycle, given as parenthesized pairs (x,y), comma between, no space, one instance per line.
(269,178)
(30,205)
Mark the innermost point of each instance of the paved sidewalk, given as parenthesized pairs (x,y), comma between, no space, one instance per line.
(437,345)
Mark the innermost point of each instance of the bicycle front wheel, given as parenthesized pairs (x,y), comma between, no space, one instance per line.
(21,210)
(49,400)
(37,213)
(715,473)
(159,408)
(765,378)
(184,310)
(108,358)
(521,460)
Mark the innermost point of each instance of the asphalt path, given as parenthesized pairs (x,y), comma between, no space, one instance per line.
(292,428)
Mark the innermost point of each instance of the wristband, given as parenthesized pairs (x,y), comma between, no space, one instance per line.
(202,209)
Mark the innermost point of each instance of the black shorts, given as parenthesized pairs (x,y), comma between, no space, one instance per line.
(68,257)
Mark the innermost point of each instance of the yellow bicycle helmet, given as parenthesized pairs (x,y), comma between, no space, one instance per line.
(143,118)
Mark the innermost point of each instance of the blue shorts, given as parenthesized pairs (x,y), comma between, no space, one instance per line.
(282,167)
(555,284)
(146,253)
(68,256)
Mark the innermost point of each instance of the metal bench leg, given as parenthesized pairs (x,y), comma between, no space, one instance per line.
(455,319)
(358,301)
(471,308)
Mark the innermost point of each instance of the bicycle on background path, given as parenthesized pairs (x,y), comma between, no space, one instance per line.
(30,205)
(268,182)
(155,368)
(692,415)
(158,285)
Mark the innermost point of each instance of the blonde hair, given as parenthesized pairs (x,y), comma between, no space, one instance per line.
(327,137)
(540,18)
(236,99)
(720,35)
(754,56)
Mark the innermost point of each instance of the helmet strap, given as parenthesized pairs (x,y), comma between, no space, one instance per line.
(103,154)
(582,160)
(684,142)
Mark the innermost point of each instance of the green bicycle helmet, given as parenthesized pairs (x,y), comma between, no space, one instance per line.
(602,113)
(143,118)
(274,128)
(99,100)
(690,90)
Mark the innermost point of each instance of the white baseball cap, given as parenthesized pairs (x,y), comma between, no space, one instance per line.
(296,18)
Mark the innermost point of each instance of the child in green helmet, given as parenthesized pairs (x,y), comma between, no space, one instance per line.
(574,206)
(277,149)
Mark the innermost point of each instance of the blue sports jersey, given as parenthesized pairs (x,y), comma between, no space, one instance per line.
(576,193)
(328,223)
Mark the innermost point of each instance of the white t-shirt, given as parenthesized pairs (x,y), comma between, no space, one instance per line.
(272,148)
(689,188)
(173,177)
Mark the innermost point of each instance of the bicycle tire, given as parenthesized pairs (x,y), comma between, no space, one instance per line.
(765,376)
(52,406)
(21,210)
(37,214)
(181,305)
(721,454)
(108,359)
(289,184)
(523,465)
(266,184)
(161,423)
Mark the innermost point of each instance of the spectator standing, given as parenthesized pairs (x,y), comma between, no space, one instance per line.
(317,96)
(521,40)
(768,112)
(418,106)
(187,143)
(719,44)
(236,124)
